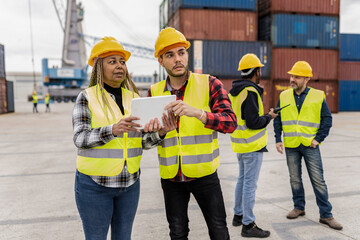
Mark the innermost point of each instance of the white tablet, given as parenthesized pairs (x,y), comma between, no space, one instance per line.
(148,108)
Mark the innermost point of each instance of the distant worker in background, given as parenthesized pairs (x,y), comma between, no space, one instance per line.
(306,122)
(35,102)
(107,184)
(47,102)
(189,154)
(249,142)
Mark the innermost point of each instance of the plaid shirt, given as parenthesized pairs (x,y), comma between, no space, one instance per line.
(221,118)
(86,137)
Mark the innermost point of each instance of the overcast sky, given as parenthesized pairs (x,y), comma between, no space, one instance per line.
(135,22)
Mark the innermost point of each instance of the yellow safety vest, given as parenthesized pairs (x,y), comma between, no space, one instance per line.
(47,99)
(34,99)
(244,139)
(300,128)
(109,159)
(195,146)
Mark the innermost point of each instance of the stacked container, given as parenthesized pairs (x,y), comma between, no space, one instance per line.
(6,87)
(349,72)
(220,32)
(305,30)
(3,101)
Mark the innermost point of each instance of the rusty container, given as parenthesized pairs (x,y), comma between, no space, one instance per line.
(210,24)
(349,71)
(318,7)
(3,96)
(324,63)
(330,88)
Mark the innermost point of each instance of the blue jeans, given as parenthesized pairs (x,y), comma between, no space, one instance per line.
(314,167)
(249,170)
(99,207)
(207,192)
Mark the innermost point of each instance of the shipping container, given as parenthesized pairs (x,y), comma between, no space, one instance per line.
(330,88)
(319,7)
(221,58)
(207,24)
(349,71)
(10,96)
(349,95)
(300,31)
(267,96)
(349,47)
(2,62)
(324,63)
(3,100)
(247,5)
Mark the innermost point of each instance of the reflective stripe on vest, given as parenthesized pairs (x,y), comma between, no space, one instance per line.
(244,139)
(195,145)
(109,159)
(300,128)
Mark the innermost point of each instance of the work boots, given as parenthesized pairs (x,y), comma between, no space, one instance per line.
(331,222)
(295,213)
(252,230)
(237,220)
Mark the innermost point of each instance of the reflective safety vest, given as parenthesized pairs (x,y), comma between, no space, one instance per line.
(194,146)
(300,128)
(244,139)
(34,98)
(47,99)
(109,159)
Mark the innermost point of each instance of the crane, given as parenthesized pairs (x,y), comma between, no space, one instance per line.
(65,82)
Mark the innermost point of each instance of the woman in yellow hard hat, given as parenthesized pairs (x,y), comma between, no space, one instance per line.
(109,145)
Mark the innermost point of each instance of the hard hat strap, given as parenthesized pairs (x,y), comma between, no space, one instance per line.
(248,72)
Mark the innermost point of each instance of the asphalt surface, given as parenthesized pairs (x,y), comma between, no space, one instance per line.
(37,167)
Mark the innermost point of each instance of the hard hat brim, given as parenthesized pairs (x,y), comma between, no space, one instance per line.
(124,53)
(300,75)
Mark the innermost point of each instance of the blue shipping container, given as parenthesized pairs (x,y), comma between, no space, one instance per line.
(10,96)
(300,31)
(221,58)
(349,47)
(349,95)
(247,5)
(2,61)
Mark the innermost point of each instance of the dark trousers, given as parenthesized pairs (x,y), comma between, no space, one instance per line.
(207,192)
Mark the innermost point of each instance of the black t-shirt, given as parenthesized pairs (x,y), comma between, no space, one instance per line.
(118,96)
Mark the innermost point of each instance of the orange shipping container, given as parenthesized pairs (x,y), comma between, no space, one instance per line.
(209,24)
(324,63)
(321,7)
(330,88)
(3,102)
(349,71)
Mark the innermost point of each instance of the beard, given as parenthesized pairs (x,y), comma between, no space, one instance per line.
(257,81)
(170,72)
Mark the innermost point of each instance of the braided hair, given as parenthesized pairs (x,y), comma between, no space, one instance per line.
(97,79)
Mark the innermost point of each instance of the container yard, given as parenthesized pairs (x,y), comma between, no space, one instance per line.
(38,158)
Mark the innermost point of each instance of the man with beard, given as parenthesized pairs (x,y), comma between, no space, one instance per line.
(305,123)
(249,141)
(189,153)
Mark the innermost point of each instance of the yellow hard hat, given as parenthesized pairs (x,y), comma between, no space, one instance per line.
(34,93)
(105,47)
(248,61)
(169,37)
(47,95)
(302,69)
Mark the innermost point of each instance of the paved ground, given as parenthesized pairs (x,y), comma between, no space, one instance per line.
(37,165)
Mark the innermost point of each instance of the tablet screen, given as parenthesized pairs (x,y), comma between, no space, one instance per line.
(148,108)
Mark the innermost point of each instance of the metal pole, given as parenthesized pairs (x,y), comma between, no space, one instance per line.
(32,46)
